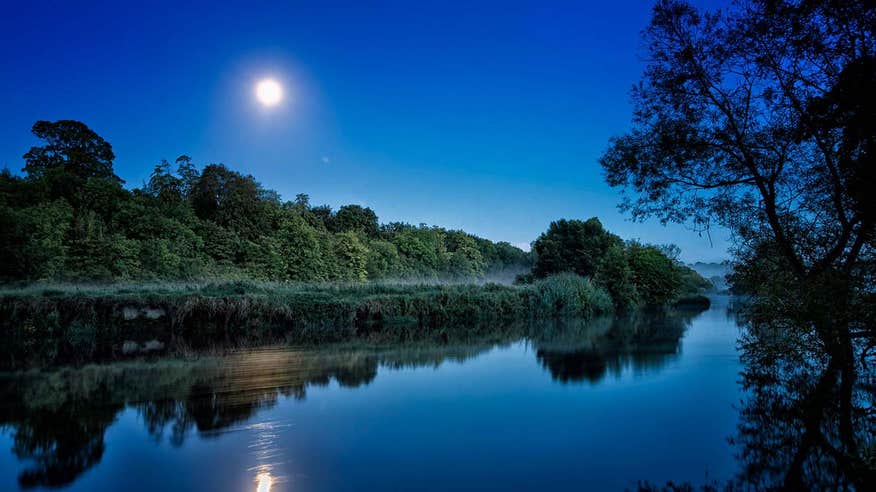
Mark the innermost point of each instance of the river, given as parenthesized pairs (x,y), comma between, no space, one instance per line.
(600,406)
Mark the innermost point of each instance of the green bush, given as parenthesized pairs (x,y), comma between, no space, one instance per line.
(616,275)
(569,294)
(657,278)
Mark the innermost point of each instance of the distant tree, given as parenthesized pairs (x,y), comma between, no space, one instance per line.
(221,245)
(72,155)
(188,175)
(91,249)
(301,250)
(760,118)
(615,274)
(692,282)
(465,258)
(72,146)
(231,200)
(101,196)
(263,258)
(164,185)
(33,241)
(383,260)
(322,216)
(302,201)
(391,228)
(422,249)
(351,257)
(16,191)
(355,218)
(657,278)
(572,246)
(507,254)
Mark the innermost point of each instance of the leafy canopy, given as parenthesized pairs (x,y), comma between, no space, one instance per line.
(760,118)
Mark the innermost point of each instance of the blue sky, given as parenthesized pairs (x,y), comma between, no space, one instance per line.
(489,117)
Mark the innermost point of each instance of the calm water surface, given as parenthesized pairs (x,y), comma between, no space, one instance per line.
(597,408)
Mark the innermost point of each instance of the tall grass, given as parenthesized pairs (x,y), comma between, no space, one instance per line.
(570,294)
(51,324)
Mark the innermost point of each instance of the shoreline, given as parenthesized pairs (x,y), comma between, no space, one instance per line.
(45,326)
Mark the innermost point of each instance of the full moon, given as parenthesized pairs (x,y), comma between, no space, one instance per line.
(269,92)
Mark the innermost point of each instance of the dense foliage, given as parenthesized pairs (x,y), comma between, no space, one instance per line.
(631,272)
(70,218)
(761,118)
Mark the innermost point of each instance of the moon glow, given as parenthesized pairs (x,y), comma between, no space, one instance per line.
(269,92)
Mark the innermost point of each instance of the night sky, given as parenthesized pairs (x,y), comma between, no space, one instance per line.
(484,117)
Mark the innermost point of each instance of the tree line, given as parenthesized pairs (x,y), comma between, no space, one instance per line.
(69,218)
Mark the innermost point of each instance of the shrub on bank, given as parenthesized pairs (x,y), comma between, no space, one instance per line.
(571,295)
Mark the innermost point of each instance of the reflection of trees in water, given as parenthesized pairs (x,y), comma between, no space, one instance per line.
(575,352)
(575,365)
(59,418)
(808,420)
(60,440)
(220,397)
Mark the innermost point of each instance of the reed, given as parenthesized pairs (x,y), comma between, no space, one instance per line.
(44,325)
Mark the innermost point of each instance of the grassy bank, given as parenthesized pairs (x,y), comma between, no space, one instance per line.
(72,324)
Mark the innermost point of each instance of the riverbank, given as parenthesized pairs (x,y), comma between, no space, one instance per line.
(74,324)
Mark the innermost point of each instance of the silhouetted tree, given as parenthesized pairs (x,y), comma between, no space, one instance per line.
(164,185)
(187,174)
(759,118)
(72,146)
(231,200)
(72,155)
